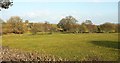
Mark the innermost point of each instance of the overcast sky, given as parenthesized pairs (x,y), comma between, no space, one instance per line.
(98,11)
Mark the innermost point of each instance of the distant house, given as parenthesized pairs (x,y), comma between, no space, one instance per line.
(60,29)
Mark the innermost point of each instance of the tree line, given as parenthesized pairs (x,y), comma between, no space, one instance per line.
(66,25)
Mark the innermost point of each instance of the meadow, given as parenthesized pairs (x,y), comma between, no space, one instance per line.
(86,46)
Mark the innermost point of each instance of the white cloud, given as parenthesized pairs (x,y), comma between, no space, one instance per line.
(37,13)
(45,15)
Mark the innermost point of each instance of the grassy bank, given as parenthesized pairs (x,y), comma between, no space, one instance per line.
(102,46)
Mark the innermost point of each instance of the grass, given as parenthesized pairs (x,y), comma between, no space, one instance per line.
(103,46)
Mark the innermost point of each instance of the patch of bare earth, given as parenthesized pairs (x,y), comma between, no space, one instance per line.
(8,54)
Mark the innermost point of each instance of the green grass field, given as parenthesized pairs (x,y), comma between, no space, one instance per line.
(70,46)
